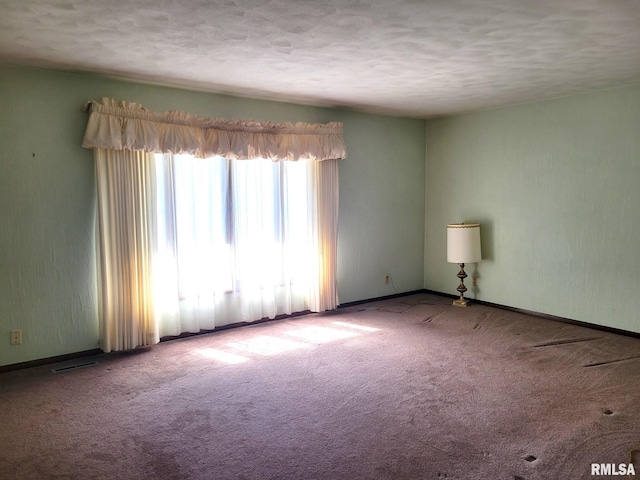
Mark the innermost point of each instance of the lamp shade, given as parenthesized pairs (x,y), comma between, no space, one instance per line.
(463,243)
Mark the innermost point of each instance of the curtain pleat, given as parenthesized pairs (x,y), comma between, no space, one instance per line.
(126,244)
(324,218)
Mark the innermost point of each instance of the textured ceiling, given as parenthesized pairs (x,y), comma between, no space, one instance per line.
(419,58)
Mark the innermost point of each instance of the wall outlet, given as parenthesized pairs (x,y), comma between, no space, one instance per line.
(387,279)
(16,337)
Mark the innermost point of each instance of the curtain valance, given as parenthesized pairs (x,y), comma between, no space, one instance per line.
(119,125)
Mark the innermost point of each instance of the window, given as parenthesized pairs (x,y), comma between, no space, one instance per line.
(234,228)
(185,244)
(193,221)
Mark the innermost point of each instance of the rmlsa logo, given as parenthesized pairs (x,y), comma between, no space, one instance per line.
(612,469)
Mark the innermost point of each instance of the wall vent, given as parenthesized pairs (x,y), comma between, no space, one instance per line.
(74,367)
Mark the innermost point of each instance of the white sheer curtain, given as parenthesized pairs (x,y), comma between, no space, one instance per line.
(193,257)
(237,241)
(271,250)
(271,236)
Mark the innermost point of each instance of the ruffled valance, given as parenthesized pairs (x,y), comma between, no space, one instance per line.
(119,125)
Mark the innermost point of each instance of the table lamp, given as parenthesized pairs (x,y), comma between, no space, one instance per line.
(463,246)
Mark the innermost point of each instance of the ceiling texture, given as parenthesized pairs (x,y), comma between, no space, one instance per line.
(414,58)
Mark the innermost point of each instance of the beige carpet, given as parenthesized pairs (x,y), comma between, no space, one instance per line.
(409,388)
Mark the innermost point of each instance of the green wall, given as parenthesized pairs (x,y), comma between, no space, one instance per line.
(555,186)
(47,200)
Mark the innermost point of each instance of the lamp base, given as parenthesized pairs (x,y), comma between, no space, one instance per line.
(461,302)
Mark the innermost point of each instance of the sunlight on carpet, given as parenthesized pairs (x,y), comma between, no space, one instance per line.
(221,355)
(317,334)
(267,345)
(357,327)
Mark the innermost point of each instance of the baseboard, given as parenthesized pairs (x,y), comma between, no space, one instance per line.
(48,360)
(593,326)
(378,299)
(73,356)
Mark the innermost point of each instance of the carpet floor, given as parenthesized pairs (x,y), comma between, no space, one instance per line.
(408,388)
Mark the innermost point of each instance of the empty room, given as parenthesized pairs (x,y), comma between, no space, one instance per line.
(282,239)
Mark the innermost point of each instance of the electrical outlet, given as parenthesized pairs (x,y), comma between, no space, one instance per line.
(16,337)
(387,279)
